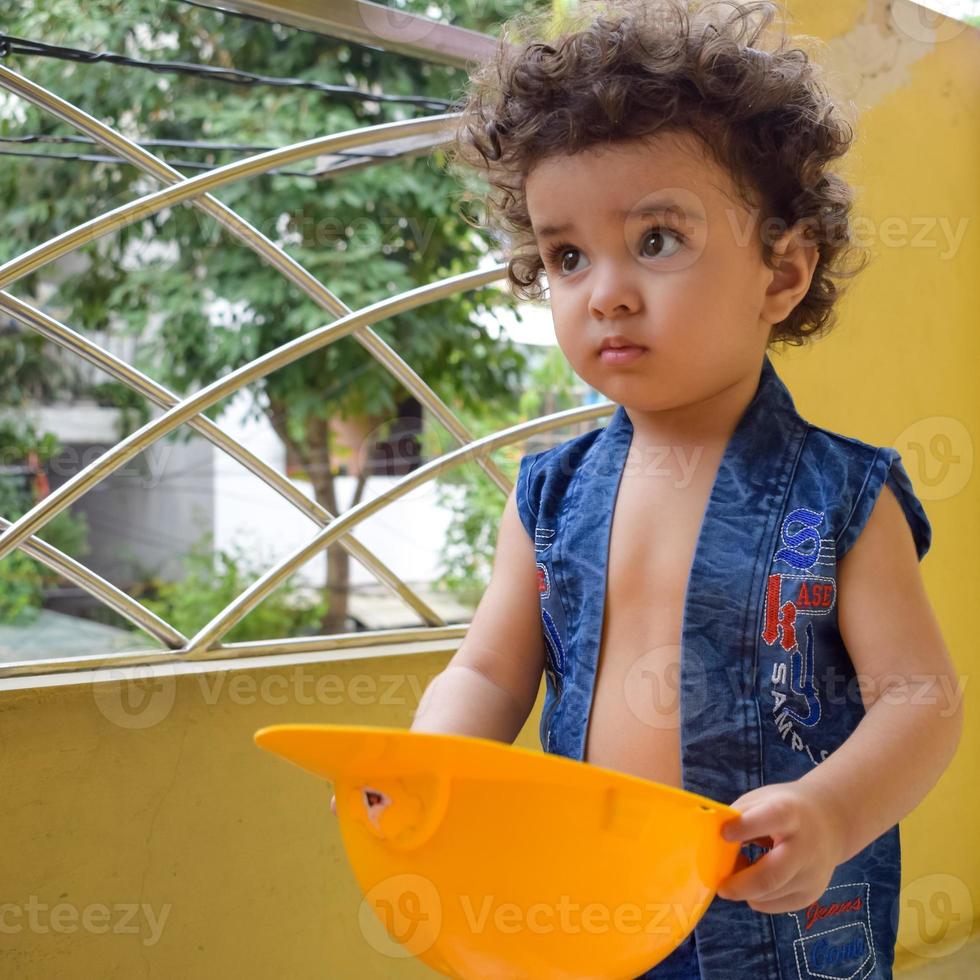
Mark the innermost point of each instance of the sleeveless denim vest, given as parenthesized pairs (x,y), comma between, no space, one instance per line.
(767,689)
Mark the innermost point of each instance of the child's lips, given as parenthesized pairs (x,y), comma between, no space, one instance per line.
(621,355)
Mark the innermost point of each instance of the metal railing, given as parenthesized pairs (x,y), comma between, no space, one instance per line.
(364,23)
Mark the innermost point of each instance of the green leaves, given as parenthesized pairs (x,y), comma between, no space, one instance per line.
(366,234)
(22,579)
(214,580)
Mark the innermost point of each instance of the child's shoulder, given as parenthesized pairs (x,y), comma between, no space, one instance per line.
(573,448)
(844,460)
(848,471)
(851,445)
(552,468)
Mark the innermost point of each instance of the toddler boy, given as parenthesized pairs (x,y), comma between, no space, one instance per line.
(666,167)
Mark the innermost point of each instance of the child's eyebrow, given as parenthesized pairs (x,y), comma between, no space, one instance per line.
(546,231)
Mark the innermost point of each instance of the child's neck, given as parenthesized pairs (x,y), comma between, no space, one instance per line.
(708,423)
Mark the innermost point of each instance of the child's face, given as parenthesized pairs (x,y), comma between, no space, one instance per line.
(694,303)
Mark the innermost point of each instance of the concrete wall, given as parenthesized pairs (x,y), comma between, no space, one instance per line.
(145,835)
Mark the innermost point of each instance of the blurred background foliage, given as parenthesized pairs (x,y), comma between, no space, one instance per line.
(366,235)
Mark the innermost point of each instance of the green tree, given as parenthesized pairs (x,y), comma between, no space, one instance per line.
(475,512)
(215,578)
(366,234)
(22,579)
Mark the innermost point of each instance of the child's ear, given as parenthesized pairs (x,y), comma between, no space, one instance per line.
(795,253)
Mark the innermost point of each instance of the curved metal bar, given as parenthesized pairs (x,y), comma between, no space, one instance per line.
(66,337)
(373,24)
(117,600)
(142,658)
(274,577)
(258,243)
(289,352)
(150,204)
(430,635)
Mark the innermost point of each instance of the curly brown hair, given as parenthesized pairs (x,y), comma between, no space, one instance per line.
(627,69)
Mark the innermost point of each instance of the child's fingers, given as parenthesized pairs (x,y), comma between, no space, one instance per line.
(761,879)
(333,804)
(791,902)
(764,819)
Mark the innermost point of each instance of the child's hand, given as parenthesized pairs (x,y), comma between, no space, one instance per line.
(807,844)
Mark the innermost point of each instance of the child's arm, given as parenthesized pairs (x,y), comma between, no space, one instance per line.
(898,751)
(489,687)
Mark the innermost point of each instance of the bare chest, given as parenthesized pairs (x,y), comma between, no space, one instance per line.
(634,723)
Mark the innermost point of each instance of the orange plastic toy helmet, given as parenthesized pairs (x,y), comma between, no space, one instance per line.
(488,860)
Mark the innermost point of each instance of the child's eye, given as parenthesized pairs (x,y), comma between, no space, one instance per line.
(555,255)
(657,237)
(661,234)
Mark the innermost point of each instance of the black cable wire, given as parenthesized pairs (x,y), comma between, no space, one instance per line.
(180,164)
(97,158)
(178,144)
(16,45)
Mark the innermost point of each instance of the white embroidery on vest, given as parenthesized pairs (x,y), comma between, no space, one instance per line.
(796,700)
(845,949)
(543,539)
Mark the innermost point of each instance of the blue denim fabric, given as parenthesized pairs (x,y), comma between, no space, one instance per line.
(766,684)
(682,964)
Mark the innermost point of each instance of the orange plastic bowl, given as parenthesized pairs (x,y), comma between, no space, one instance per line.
(488,860)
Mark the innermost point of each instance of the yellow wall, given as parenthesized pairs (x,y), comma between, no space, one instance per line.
(239,850)
(901,369)
(234,851)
